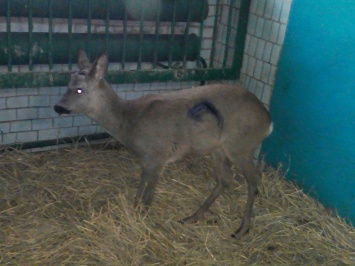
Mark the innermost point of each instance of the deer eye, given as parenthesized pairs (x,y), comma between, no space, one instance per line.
(79,91)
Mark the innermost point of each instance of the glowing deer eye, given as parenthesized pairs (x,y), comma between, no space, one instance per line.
(79,91)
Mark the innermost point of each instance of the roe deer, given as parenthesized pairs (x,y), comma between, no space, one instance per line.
(226,121)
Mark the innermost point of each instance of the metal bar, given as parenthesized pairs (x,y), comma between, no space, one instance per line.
(123,63)
(89,28)
(30,34)
(157,26)
(53,142)
(141,33)
(70,34)
(214,34)
(200,37)
(61,47)
(9,40)
(187,31)
(240,36)
(117,9)
(229,28)
(173,22)
(47,79)
(50,33)
(107,26)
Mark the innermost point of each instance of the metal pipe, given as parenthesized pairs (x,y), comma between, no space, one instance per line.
(80,9)
(39,47)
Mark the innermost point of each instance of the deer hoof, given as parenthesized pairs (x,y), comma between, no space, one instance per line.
(239,233)
(189,220)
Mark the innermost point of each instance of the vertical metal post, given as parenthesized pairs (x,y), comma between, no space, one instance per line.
(229,28)
(187,31)
(30,35)
(9,40)
(240,36)
(214,34)
(157,25)
(141,33)
(124,37)
(70,33)
(173,22)
(50,32)
(200,35)
(107,25)
(89,27)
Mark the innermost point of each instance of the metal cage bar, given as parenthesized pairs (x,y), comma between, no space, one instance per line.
(162,42)
(50,34)
(187,31)
(141,33)
(30,34)
(229,28)
(123,62)
(8,31)
(172,32)
(107,26)
(156,33)
(70,33)
(89,27)
(200,36)
(214,39)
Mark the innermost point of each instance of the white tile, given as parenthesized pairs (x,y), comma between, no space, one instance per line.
(251,66)
(275,54)
(266,95)
(265,73)
(267,51)
(252,24)
(285,11)
(260,7)
(244,64)
(253,6)
(276,10)
(247,42)
(260,49)
(273,71)
(268,9)
(259,88)
(252,46)
(259,27)
(281,36)
(252,85)
(274,32)
(267,29)
(258,69)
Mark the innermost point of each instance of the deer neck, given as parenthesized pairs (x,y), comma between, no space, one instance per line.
(109,113)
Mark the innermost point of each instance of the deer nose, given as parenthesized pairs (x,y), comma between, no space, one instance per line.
(61,110)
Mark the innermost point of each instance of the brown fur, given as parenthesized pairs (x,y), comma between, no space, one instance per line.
(158,129)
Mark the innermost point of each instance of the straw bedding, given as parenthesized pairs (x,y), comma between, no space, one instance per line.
(74,206)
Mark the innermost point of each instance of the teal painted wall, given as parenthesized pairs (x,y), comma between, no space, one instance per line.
(313,102)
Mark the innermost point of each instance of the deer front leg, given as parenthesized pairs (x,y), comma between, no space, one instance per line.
(149,180)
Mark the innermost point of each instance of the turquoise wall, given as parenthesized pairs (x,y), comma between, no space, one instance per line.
(313,103)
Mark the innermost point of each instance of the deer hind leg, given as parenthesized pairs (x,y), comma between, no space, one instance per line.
(249,171)
(149,180)
(223,175)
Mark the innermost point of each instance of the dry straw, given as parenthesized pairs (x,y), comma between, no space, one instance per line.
(75,207)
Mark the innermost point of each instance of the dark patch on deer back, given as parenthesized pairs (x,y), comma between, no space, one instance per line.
(205,107)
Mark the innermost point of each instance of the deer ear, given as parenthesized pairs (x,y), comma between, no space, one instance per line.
(83,60)
(99,67)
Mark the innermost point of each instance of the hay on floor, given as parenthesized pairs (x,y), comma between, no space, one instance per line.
(75,207)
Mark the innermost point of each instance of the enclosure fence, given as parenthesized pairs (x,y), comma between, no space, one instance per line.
(145,40)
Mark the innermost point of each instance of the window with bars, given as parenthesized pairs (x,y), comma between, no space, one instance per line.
(146,40)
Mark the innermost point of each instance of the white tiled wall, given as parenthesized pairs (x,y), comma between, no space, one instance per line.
(266,31)
(26,114)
